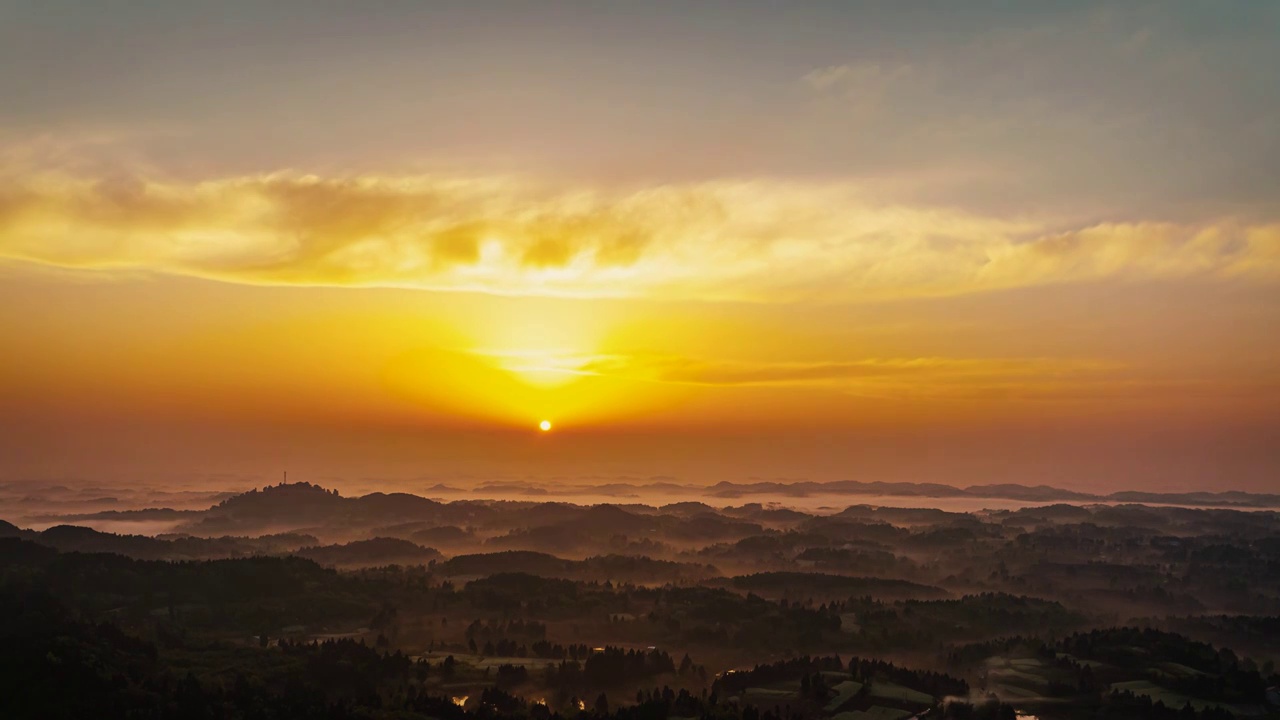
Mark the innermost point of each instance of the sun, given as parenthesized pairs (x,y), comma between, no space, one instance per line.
(545,426)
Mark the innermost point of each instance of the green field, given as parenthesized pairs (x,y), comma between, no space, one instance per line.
(1024,677)
(762,694)
(1013,691)
(844,693)
(1095,664)
(1176,700)
(875,712)
(1011,675)
(893,691)
(1178,670)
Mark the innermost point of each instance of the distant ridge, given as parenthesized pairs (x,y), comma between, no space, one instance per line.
(301,506)
(1014,491)
(805,488)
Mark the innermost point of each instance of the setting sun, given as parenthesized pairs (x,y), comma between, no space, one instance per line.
(545,426)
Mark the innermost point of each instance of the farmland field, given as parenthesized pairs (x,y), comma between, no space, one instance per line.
(845,692)
(875,712)
(893,691)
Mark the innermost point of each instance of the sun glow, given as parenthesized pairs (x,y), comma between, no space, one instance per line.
(545,426)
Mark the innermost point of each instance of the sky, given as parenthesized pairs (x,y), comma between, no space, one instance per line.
(966,243)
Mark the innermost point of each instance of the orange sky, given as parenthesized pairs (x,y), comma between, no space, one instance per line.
(843,244)
(145,375)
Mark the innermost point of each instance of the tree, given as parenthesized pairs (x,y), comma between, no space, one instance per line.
(686,665)
(1086,682)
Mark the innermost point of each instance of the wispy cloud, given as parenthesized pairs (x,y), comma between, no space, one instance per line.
(864,372)
(755,241)
(901,377)
(858,79)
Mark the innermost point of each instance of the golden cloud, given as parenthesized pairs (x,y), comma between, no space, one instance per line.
(897,377)
(754,241)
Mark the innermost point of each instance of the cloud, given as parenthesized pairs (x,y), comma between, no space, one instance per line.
(864,78)
(910,377)
(870,370)
(722,240)
(825,77)
(1109,112)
